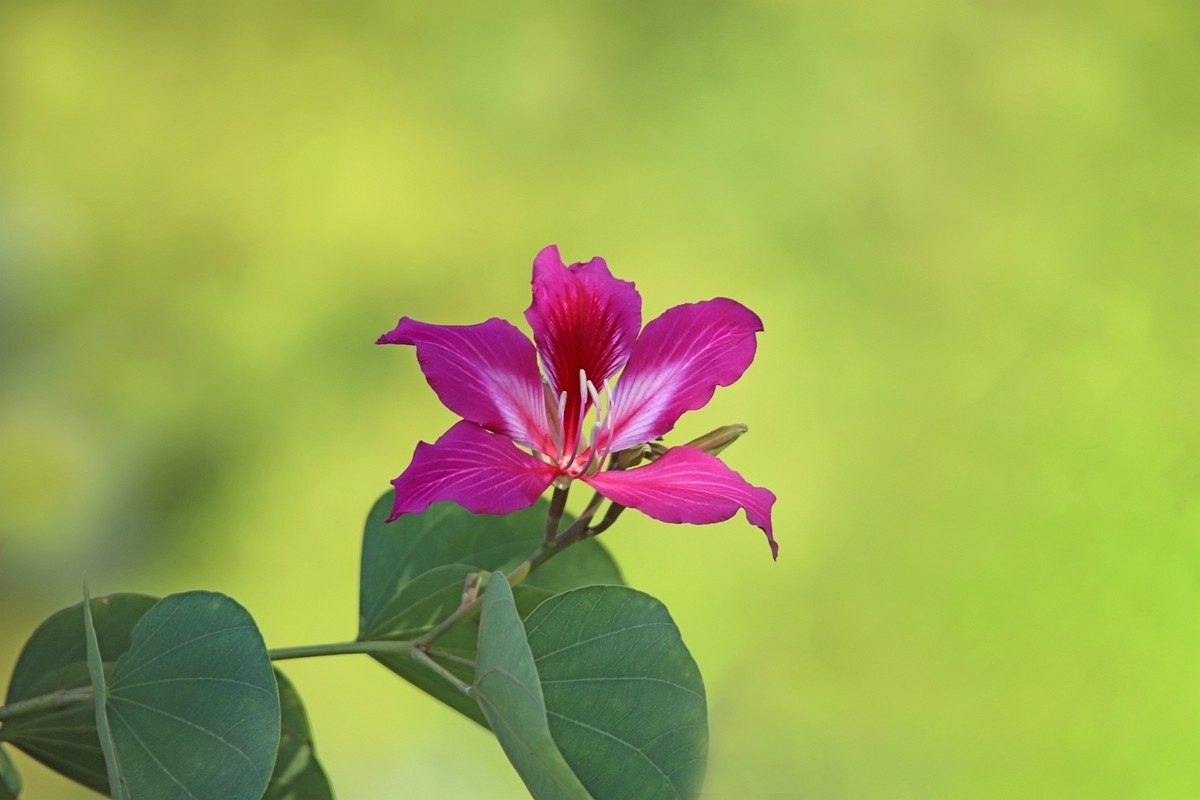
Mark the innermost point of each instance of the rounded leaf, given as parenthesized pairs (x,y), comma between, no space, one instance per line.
(193,704)
(506,686)
(10,779)
(55,658)
(297,775)
(623,695)
(414,569)
(395,553)
(59,642)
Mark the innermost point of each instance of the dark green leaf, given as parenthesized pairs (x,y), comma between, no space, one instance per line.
(414,569)
(420,604)
(10,779)
(434,685)
(118,788)
(508,691)
(55,658)
(624,697)
(456,644)
(59,641)
(396,552)
(298,775)
(193,704)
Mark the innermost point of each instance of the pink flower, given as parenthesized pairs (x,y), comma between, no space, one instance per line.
(586,327)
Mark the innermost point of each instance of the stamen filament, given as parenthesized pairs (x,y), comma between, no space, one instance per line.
(596,444)
(554,412)
(582,413)
(603,418)
(610,416)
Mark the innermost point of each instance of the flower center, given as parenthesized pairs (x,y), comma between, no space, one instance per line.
(567,416)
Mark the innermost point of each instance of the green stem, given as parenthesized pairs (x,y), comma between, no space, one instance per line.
(415,649)
(421,657)
(408,649)
(341,648)
(592,507)
(444,656)
(544,553)
(610,517)
(466,611)
(558,503)
(46,702)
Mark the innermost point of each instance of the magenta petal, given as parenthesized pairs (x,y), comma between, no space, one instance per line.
(483,472)
(688,485)
(678,362)
(583,319)
(485,373)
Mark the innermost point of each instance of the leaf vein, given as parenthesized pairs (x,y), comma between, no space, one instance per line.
(191,724)
(170,650)
(197,678)
(647,678)
(582,642)
(150,753)
(632,747)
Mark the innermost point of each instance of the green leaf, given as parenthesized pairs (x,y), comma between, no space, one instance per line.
(420,603)
(394,553)
(10,779)
(118,788)
(193,704)
(510,695)
(191,682)
(55,658)
(59,642)
(414,569)
(623,695)
(298,775)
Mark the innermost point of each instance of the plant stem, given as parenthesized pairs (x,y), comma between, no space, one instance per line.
(610,517)
(558,502)
(408,649)
(442,654)
(421,657)
(465,611)
(576,532)
(403,648)
(416,649)
(592,507)
(46,702)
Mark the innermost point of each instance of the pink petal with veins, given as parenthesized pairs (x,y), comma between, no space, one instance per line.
(583,319)
(677,364)
(688,485)
(485,373)
(483,472)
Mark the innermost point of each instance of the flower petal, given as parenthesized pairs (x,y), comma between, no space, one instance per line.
(483,472)
(583,319)
(485,373)
(678,362)
(688,485)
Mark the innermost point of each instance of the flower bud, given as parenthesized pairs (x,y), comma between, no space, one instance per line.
(631,457)
(716,441)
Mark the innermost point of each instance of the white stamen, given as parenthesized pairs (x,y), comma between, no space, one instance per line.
(603,421)
(583,381)
(554,416)
(600,433)
(609,416)
(591,387)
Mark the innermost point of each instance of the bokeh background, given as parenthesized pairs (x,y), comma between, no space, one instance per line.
(971,229)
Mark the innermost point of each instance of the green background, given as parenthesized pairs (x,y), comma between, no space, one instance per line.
(971,231)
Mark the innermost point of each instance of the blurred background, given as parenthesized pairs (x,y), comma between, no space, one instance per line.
(970,229)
